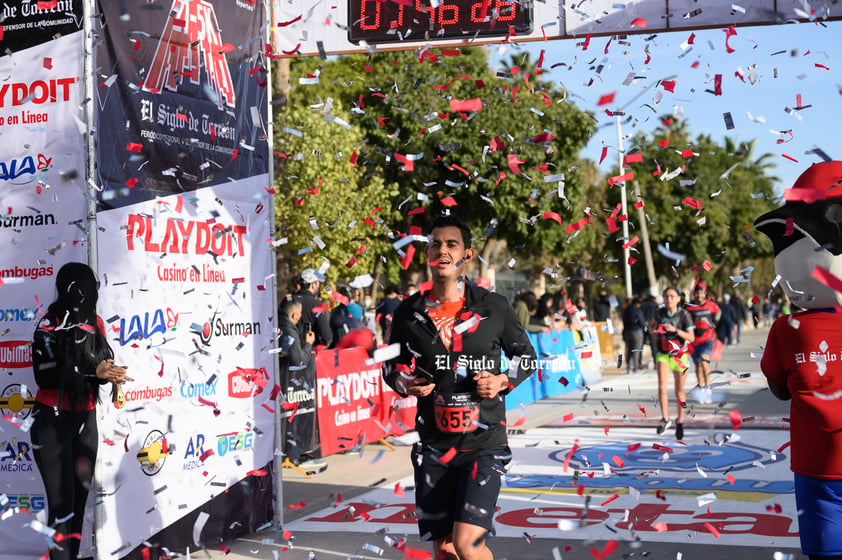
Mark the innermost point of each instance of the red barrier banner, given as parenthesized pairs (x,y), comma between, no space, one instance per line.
(348,399)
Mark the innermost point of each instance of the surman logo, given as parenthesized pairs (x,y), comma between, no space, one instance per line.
(191,34)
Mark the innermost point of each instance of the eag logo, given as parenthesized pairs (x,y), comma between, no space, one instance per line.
(234,441)
(246,382)
(154,452)
(190,35)
(15,456)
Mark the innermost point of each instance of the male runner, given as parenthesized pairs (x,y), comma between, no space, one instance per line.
(450,358)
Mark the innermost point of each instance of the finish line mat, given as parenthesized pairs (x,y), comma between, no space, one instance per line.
(716,487)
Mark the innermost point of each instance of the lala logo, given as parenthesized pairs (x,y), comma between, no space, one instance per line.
(190,34)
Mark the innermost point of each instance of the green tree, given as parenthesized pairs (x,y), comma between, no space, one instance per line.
(324,207)
(488,164)
(700,199)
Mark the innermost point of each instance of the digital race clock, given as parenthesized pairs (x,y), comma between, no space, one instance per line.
(378,21)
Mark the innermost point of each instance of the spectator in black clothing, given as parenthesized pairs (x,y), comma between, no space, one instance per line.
(339,314)
(602,307)
(727,321)
(634,324)
(386,308)
(296,354)
(742,315)
(545,313)
(314,315)
(297,370)
(650,308)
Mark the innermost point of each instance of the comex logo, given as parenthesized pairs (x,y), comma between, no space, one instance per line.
(190,35)
(154,452)
(191,390)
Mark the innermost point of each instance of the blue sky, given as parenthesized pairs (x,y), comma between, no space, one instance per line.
(778,78)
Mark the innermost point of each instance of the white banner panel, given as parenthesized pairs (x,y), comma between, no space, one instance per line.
(42,226)
(188,308)
(349,26)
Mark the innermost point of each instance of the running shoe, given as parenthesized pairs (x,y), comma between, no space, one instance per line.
(663,425)
(679,431)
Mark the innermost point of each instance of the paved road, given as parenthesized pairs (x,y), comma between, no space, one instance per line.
(624,492)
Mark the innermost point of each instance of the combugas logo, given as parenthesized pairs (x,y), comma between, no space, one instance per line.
(154,452)
(191,35)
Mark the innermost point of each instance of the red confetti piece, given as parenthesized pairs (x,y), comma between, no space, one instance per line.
(567,417)
(610,499)
(606,99)
(790,227)
(466,105)
(731,478)
(712,529)
(693,203)
(736,419)
(570,455)
(448,455)
(790,158)
(669,85)
(638,22)
(398,489)
(641,409)
(514,162)
(730,32)
(552,216)
(604,153)
(827,278)
(131,182)
(621,178)
(417,553)
(605,429)
(822,66)
(299,505)
(618,461)
(607,550)
(632,158)
(257,472)
(660,447)
(448,201)
(660,527)
(631,242)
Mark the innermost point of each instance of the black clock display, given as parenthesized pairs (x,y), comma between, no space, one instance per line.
(379,21)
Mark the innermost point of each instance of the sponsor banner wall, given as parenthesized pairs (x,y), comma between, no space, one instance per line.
(42,171)
(187,304)
(181,97)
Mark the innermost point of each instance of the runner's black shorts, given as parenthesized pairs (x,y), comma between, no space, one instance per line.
(465,489)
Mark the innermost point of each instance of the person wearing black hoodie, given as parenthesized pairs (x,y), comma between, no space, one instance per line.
(450,341)
(71,358)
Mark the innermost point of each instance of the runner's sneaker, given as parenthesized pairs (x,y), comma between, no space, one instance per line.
(679,431)
(663,425)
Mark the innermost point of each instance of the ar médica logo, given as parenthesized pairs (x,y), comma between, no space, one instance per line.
(191,34)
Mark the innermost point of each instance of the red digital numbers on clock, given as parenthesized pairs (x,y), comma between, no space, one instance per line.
(419,20)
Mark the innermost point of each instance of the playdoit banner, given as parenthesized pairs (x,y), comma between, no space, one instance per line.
(187,303)
(42,171)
